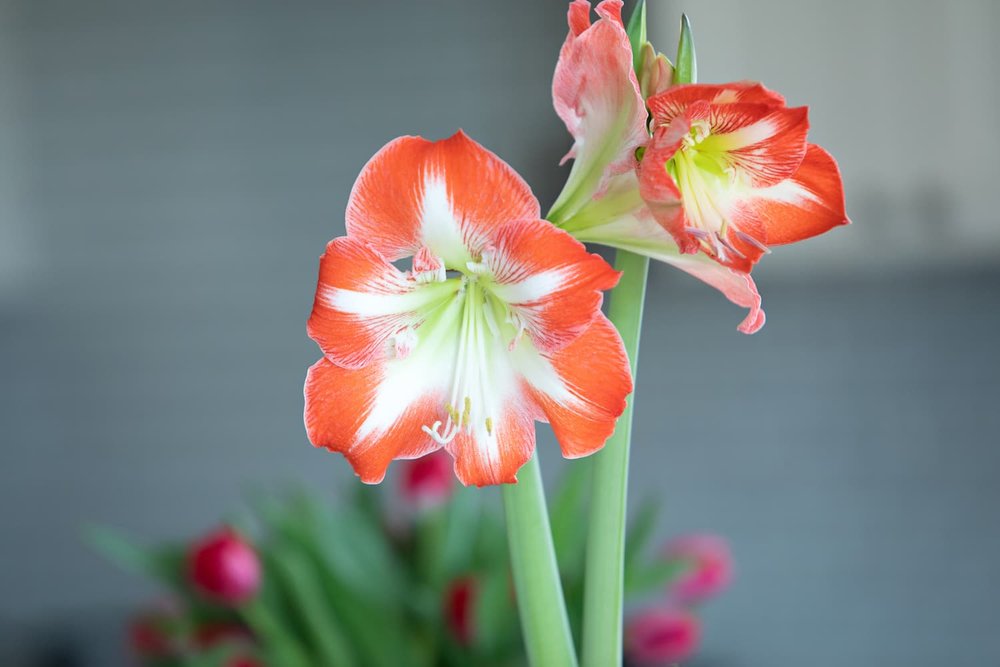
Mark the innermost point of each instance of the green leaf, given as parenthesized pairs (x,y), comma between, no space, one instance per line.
(636,30)
(686,68)
(463,516)
(279,641)
(640,530)
(164,564)
(301,584)
(569,518)
(494,613)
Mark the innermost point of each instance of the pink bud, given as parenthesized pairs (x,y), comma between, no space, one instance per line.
(428,481)
(664,635)
(224,567)
(459,602)
(710,567)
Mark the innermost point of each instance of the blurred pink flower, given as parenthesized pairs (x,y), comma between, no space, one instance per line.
(662,635)
(428,480)
(709,566)
(224,567)
(148,637)
(459,603)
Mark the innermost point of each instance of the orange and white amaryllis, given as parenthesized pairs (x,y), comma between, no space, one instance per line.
(706,181)
(495,324)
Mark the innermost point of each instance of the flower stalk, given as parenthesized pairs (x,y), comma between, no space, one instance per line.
(605,569)
(605,573)
(544,623)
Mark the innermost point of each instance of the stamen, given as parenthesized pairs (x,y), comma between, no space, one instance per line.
(466,412)
(743,236)
(403,343)
(730,247)
(449,435)
(476,268)
(489,425)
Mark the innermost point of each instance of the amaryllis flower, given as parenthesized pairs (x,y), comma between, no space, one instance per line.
(729,172)
(661,636)
(224,567)
(494,323)
(709,566)
(710,209)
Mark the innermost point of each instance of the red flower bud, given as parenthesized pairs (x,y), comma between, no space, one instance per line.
(459,602)
(710,567)
(224,567)
(428,481)
(662,636)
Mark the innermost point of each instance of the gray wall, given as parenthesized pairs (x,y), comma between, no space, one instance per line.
(170,172)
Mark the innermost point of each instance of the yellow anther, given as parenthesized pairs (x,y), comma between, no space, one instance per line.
(489,425)
(466,411)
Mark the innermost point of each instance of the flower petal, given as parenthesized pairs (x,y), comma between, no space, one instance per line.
(581,389)
(671,103)
(446,195)
(763,144)
(490,457)
(596,94)
(807,204)
(549,280)
(657,186)
(346,411)
(640,234)
(365,308)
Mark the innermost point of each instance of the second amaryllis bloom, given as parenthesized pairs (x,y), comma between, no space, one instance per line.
(729,172)
(706,182)
(495,324)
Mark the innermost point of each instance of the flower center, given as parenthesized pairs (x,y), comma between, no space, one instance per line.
(708,184)
(485,325)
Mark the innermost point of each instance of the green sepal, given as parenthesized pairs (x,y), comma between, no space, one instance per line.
(686,67)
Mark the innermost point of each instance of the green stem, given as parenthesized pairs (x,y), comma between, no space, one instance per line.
(544,623)
(605,573)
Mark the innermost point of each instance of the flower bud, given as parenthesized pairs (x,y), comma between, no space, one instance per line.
(661,636)
(655,72)
(224,567)
(429,480)
(709,568)
(459,603)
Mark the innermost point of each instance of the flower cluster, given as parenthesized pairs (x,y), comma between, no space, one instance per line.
(494,321)
(703,177)
(670,631)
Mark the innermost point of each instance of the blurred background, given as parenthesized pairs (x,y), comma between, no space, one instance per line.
(170,173)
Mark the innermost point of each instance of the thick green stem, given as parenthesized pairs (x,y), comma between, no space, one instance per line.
(605,574)
(544,623)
